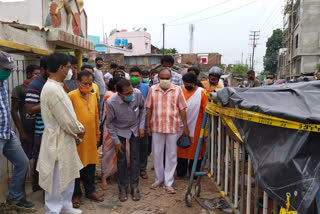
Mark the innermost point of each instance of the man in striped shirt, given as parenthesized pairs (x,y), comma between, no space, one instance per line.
(10,145)
(33,108)
(165,106)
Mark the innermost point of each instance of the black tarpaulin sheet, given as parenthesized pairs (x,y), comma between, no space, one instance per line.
(284,160)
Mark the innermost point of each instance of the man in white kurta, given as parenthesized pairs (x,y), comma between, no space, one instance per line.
(59,163)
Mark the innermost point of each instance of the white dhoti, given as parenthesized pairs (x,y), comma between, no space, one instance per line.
(58,201)
(159,142)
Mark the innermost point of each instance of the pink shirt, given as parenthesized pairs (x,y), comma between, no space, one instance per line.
(166,107)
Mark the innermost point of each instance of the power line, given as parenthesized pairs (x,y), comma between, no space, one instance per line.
(200,11)
(229,11)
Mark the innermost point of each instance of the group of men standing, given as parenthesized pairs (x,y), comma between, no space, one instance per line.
(66,115)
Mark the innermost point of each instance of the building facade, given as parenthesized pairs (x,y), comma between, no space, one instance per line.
(138,41)
(301,39)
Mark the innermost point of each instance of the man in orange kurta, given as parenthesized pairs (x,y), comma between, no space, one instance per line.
(86,108)
(197,102)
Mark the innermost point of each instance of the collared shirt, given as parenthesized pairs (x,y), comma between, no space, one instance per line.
(144,89)
(123,118)
(58,139)
(98,79)
(166,107)
(33,97)
(254,83)
(5,127)
(176,79)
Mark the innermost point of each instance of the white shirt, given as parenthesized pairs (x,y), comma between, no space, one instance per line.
(58,140)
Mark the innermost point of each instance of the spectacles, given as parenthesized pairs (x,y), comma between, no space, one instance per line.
(128,94)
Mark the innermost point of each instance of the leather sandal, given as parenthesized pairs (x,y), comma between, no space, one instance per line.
(144,175)
(76,202)
(123,196)
(135,194)
(95,197)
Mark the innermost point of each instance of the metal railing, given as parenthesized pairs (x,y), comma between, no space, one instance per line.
(229,167)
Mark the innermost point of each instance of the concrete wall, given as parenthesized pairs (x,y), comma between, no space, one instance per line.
(308,31)
(28,12)
(138,40)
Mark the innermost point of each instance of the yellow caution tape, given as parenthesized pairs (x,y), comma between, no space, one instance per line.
(259,118)
(209,175)
(286,211)
(222,193)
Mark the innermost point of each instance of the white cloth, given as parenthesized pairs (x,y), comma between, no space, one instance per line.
(193,109)
(127,76)
(69,76)
(107,77)
(58,201)
(159,141)
(58,139)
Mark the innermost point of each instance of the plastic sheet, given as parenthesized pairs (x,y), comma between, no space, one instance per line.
(284,160)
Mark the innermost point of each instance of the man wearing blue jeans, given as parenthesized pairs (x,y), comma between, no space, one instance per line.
(10,145)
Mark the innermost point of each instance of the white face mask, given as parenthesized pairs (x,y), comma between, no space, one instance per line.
(165,84)
(69,75)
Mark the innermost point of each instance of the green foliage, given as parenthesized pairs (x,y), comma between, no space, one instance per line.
(239,70)
(167,51)
(263,75)
(274,43)
(318,66)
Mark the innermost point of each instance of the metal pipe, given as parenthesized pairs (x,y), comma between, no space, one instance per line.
(232,170)
(249,186)
(243,159)
(256,197)
(236,178)
(265,203)
(226,173)
(219,151)
(212,137)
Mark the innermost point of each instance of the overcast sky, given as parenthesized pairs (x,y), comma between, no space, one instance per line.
(224,28)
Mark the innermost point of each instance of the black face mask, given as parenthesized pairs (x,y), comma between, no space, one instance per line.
(99,65)
(251,78)
(189,88)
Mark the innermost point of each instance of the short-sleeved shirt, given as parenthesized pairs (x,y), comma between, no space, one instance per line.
(28,121)
(166,107)
(33,97)
(144,89)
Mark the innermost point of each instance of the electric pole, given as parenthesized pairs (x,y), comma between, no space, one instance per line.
(254,37)
(191,28)
(163,38)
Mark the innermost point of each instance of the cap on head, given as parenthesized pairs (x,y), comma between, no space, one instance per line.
(7,61)
(215,71)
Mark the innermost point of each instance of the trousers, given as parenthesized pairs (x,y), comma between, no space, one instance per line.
(87,175)
(13,151)
(123,180)
(58,201)
(144,146)
(164,143)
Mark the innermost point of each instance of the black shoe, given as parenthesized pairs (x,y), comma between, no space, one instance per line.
(21,204)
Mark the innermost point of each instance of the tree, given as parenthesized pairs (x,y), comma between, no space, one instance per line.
(167,51)
(274,43)
(263,75)
(239,70)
